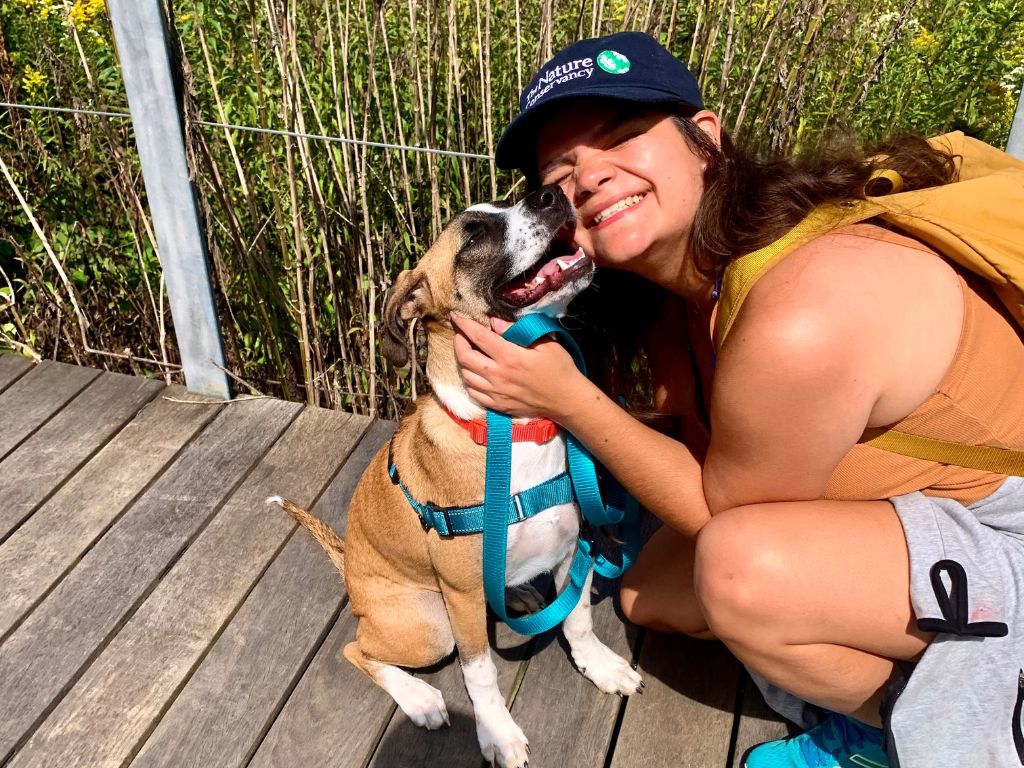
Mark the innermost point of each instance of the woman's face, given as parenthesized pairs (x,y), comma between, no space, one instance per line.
(633,179)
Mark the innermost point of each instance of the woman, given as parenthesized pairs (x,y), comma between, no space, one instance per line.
(806,553)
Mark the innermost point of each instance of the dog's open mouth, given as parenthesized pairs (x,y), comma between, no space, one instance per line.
(559,265)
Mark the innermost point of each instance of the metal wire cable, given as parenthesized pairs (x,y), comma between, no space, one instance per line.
(252,129)
(65,109)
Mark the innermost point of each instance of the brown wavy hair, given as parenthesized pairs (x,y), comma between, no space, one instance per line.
(748,202)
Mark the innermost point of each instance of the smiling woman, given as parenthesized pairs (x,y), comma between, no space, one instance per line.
(635,184)
(810,555)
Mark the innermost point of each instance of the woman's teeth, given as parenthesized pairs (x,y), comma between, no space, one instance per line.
(622,205)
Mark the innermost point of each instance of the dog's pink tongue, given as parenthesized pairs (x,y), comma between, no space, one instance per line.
(550,269)
(545,279)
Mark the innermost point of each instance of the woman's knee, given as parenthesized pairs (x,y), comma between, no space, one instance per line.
(739,568)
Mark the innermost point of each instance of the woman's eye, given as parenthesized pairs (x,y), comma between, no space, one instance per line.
(619,141)
(559,178)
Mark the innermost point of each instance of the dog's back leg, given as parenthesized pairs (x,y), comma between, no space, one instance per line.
(403,626)
(421,702)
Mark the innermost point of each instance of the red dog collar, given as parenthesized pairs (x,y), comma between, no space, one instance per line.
(533,431)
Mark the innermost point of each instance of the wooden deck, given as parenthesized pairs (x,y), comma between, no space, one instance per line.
(154,612)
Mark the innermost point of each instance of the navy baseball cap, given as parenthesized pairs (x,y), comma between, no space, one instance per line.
(628,66)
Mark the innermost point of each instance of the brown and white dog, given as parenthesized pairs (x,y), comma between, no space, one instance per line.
(419,596)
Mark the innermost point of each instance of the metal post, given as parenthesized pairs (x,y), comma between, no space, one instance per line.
(1015,144)
(140,31)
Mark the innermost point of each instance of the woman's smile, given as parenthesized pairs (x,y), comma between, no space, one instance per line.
(634,181)
(616,211)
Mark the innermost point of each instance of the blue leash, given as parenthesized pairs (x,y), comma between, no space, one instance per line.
(588,495)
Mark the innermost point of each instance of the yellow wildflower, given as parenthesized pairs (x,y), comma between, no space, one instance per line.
(83,12)
(924,41)
(32,80)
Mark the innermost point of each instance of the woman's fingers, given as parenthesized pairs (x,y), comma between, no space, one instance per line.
(470,358)
(500,326)
(483,338)
(505,377)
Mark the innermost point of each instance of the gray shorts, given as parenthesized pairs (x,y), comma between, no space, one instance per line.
(961,704)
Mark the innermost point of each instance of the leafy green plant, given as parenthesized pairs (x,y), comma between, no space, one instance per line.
(306,236)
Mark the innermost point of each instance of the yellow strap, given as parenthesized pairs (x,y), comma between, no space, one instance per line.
(1000,460)
(893,177)
(741,275)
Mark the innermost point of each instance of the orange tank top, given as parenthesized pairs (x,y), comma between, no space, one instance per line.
(980,401)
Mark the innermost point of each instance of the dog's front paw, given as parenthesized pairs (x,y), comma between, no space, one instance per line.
(502,742)
(524,598)
(606,669)
(421,702)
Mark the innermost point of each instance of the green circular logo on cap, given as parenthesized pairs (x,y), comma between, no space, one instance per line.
(613,62)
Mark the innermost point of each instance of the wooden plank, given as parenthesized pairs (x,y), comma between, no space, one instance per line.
(36,396)
(758,723)
(12,368)
(47,545)
(39,465)
(267,645)
(566,719)
(335,715)
(126,688)
(685,716)
(44,656)
(406,744)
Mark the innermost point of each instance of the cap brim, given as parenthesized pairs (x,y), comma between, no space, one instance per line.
(516,147)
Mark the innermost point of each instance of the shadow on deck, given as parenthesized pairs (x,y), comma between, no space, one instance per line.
(155,612)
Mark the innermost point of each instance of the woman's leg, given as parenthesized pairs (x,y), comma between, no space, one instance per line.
(657,592)
(812,595)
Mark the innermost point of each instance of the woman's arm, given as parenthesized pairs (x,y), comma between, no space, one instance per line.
(660,472)
(846,333)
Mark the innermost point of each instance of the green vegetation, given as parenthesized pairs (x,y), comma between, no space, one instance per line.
(306,235)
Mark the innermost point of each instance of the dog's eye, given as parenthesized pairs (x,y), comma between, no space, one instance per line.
(471,233)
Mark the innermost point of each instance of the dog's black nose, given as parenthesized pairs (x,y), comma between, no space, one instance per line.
(550,196)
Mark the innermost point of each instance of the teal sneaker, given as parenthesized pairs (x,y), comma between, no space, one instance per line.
(839,742)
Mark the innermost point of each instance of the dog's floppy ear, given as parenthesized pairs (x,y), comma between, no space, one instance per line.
(408,299)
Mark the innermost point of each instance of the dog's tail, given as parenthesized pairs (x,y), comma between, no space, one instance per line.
(318,529)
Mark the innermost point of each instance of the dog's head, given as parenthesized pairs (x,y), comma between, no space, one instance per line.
(492,260)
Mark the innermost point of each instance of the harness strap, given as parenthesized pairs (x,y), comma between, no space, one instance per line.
(501,509)
(457,521)
(584,481)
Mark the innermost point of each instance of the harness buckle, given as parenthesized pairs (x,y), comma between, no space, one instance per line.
(423,522)
(520,514)
(587,534)
(447,523)
(392,467)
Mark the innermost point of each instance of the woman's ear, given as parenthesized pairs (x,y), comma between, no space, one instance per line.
(708,122)
(409,298)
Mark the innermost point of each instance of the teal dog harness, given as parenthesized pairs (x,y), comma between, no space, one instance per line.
(502,509)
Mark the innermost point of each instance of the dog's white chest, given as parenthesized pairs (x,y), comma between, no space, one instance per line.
(537,545)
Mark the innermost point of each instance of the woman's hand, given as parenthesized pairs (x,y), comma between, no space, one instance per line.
(541,380)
